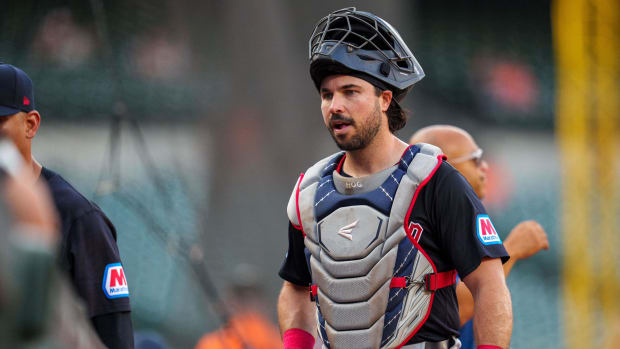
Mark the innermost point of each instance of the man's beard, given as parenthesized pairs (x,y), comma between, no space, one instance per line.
(365,132)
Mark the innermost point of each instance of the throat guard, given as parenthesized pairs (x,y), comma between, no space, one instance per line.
(372,282)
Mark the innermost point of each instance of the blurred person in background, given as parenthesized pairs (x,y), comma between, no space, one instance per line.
(378,231)
(248,326)
(149,339)
(37,304)
(88,252)
(525,239)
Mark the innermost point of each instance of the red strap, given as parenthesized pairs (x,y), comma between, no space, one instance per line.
(398,282)
(340,163)
(300,227)
(433,282)
(315,290)
(488,347)
(440,280)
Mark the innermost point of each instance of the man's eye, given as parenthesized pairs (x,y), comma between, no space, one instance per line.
(326,96)
(350,92)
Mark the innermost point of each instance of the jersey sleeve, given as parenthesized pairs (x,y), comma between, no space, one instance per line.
(96,267)
(115,330)
(295,266)
(467,232)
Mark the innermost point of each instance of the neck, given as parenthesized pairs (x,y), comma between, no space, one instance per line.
(380,154)
(33,167)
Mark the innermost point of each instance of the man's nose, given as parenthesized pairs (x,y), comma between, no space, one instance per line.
(336,106)
(484,166)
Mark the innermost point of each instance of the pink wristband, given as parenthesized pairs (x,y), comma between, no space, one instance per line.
(296,338)
(488,347)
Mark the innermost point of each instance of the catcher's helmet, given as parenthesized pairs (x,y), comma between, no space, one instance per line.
(354,42)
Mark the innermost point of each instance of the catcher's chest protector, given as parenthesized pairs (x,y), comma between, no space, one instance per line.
(372,283)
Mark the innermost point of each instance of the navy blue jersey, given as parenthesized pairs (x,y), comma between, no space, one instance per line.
(89,256)
(455,232)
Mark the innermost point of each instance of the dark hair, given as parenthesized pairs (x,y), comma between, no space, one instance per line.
(397,117)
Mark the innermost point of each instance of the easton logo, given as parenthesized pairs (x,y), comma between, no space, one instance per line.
(346,231)
(486,231)
(114,282)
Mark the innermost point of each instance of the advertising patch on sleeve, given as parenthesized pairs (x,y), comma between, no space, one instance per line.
(114,282)
(486,231)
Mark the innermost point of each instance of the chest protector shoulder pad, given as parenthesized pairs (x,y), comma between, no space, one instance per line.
(372,282)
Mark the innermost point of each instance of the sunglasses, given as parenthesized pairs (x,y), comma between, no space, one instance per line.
(476,156)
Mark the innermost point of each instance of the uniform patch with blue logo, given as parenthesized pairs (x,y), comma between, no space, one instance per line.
(114,282)
(486,231)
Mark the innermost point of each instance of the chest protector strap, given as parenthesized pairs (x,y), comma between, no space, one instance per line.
(373,283)
(432,282)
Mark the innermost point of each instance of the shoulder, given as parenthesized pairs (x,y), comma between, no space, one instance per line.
(316,171)
(448,192)
(450,199)
(447,179)
(306,179)
(69,202)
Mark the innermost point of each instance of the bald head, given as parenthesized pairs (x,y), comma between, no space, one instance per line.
(453,141)
(457,144)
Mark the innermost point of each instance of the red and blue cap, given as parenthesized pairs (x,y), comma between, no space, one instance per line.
(16,92)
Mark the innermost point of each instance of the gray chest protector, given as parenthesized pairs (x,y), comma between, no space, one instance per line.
(372,282)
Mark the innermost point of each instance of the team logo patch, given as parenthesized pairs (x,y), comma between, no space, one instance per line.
(114,282)
(416,231)
(486,231)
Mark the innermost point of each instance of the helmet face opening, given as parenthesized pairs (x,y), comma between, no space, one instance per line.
(348,40)
(357,32)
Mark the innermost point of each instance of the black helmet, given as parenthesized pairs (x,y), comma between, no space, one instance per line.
(361,44)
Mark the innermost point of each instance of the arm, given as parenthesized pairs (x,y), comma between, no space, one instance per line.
(525,240)
(92,249)
(466,302)
(115,330)
(492,304)
(296,316)
(295,310)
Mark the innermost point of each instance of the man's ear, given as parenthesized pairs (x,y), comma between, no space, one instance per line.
(386,99)
(32,121)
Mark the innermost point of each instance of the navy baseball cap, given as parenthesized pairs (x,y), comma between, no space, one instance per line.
(16,93)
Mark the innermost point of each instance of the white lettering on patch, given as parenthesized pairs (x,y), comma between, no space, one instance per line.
(353,185)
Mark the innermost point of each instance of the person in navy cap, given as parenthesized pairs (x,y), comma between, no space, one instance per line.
(88,251)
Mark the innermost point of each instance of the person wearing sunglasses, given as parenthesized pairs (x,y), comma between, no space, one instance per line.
(525,239)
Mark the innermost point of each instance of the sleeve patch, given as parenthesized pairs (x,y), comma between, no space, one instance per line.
(486,231)
(114,282)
